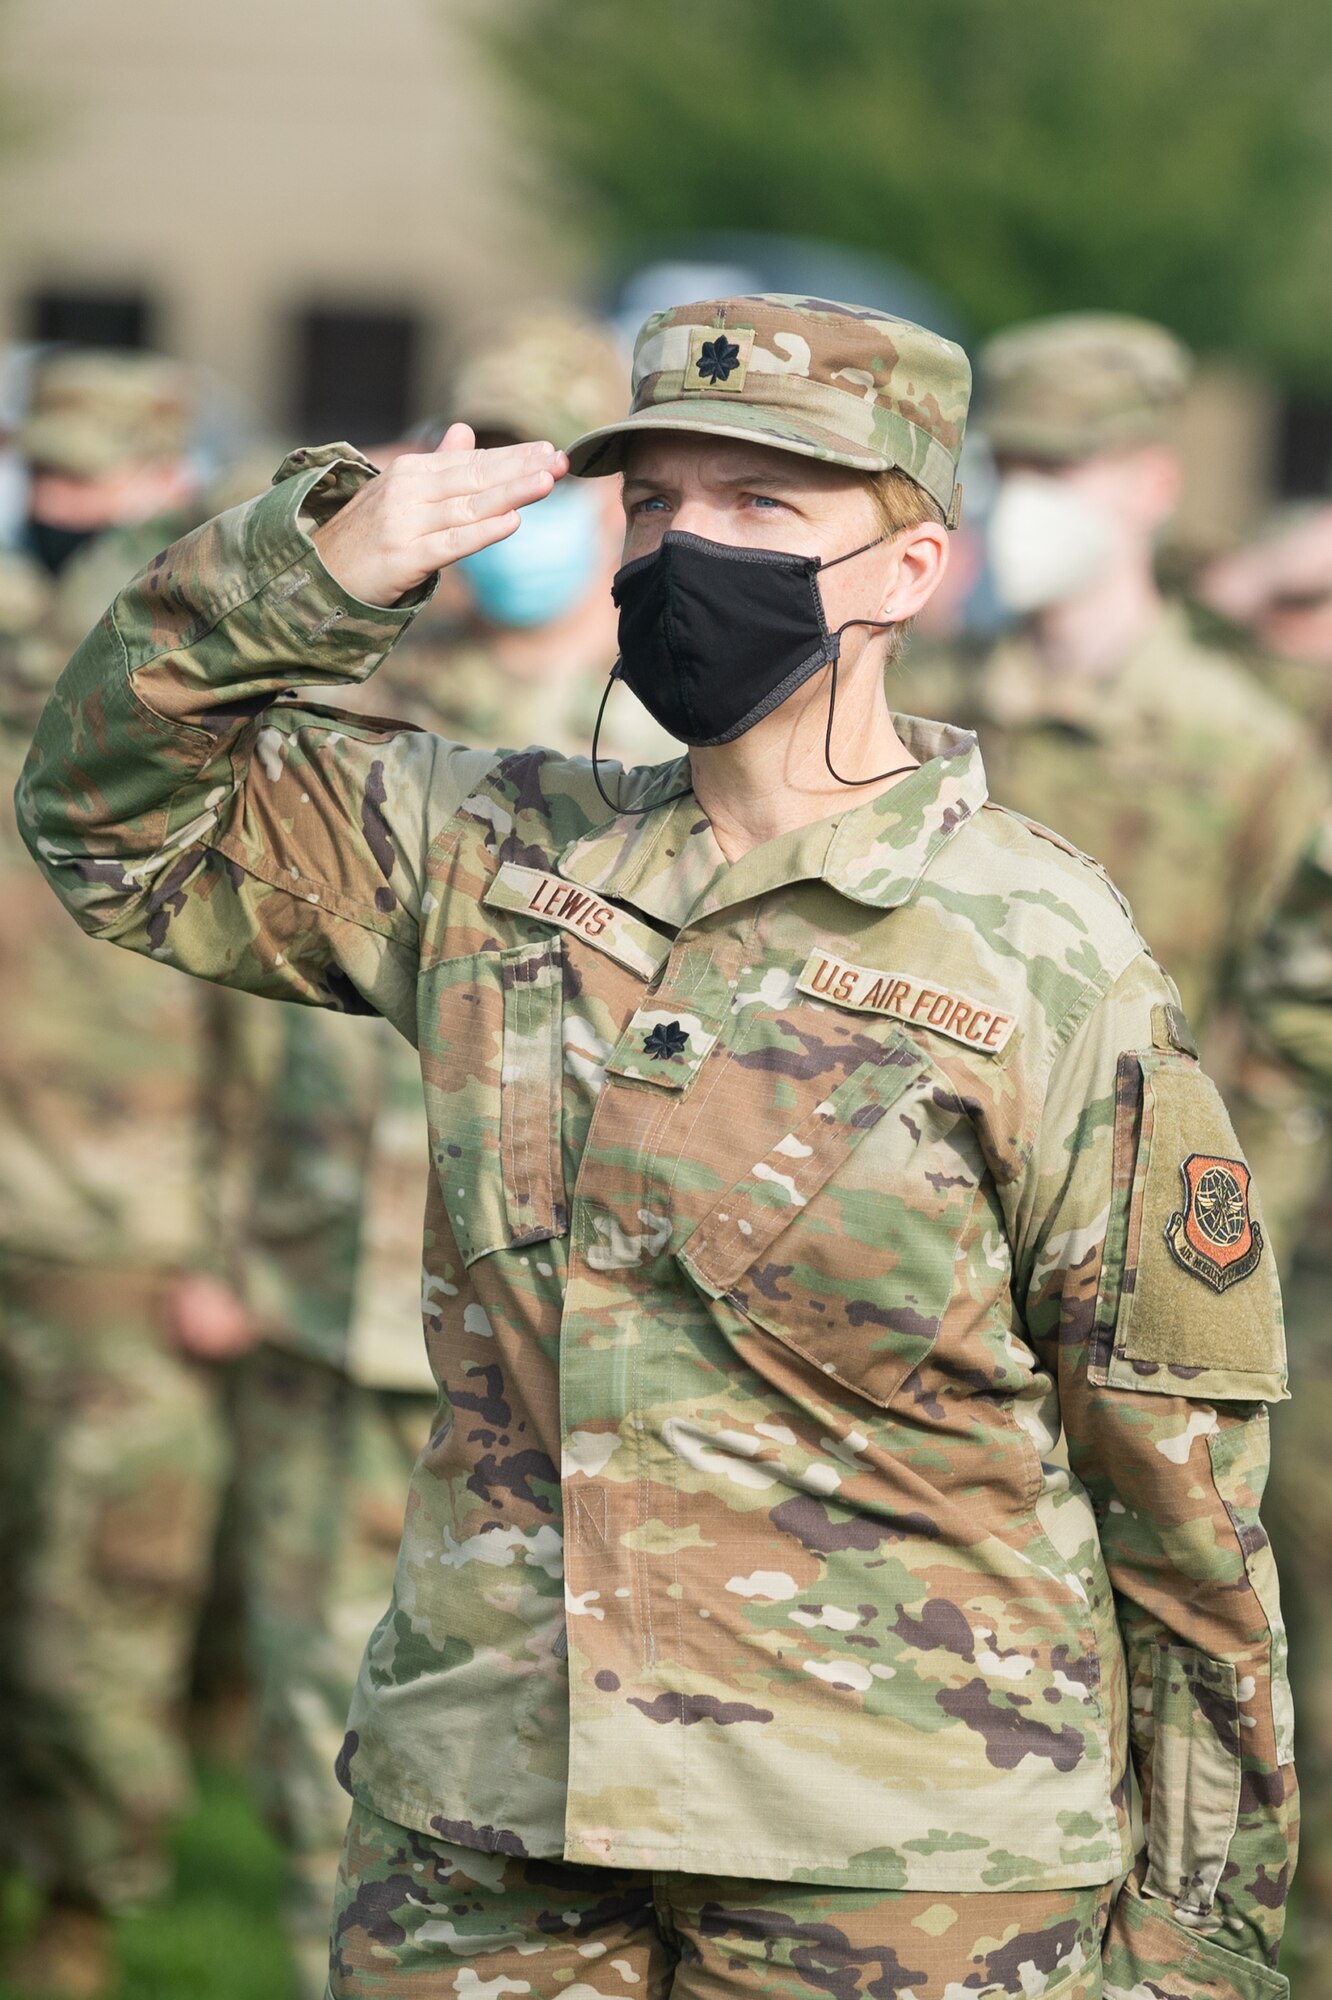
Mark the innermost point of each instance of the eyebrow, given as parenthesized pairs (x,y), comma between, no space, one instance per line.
(782,481)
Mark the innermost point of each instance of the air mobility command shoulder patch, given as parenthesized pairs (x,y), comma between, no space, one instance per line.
(1214,1236)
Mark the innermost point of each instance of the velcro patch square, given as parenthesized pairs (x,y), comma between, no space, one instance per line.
(718,360)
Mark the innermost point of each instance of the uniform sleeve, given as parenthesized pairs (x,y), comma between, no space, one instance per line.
(181,806)
(1150,1291)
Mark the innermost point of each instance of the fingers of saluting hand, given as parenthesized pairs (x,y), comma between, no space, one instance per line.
(462,524)
(428,509)
(457,467)
(457,499)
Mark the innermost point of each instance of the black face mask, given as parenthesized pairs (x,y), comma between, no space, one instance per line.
(53,547)
(713,637)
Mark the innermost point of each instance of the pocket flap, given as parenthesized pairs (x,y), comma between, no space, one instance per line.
(742,1223)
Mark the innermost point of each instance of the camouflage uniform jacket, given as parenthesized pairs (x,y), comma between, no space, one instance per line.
(109,1150)
(853,1435)
(333,1265)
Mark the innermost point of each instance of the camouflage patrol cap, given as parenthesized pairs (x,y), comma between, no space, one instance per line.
(824,380)
(92,410)
(1079,383)
(546,372)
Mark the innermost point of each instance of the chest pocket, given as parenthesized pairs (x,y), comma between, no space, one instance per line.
(841,1241)
(491,1061)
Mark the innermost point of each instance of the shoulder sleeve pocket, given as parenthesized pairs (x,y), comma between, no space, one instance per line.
(1188,1302)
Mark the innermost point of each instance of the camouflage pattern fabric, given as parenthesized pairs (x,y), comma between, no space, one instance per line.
(114,1448)
(1196,791)
(1193,788)
(855,1428)
(334,1411)
(106,1135)
(869,392)
(1297,1511)
(1076,383)
(111,1472)
(427,1916)
(325,1467)
(1291,981)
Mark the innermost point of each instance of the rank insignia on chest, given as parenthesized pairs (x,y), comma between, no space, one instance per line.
(667,1039)
(1214,1236)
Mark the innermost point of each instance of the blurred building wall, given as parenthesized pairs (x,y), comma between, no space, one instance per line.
(242,164)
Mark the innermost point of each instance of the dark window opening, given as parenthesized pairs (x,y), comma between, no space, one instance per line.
(1304,449)
(356,375)
(88,318)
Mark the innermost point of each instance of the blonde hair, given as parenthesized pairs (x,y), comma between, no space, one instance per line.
(900,503)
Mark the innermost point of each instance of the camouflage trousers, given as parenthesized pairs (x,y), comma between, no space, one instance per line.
(424,1917)
(1298,1514)
(427,1919)
(322,1487)
(112,1463)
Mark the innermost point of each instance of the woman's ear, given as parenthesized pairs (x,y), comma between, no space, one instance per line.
(919,557)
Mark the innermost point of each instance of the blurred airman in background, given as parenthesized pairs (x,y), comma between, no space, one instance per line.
(1104,715)
(339,1400)
(1278,590)
(115,1259)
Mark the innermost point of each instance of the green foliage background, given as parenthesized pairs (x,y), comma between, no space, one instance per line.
(1169,157)
(216,1936)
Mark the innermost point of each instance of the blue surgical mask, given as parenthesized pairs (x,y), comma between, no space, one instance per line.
(544,567)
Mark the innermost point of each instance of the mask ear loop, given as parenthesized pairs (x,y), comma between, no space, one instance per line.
(611,678)
(876,625)
(900,770)
(821,564)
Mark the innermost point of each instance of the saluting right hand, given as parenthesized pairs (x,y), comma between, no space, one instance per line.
(429,509)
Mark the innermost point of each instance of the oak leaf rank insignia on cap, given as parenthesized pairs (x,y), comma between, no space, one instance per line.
(1214,1236)
(717,361)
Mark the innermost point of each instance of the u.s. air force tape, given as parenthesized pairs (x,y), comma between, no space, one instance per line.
(979,1026)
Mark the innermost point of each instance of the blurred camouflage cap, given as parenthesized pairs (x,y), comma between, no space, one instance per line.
(1079,383)
(824,380)
(92,410)
(545,372)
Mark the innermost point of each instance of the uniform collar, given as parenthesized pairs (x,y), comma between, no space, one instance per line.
(665,861)
(1021,692)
